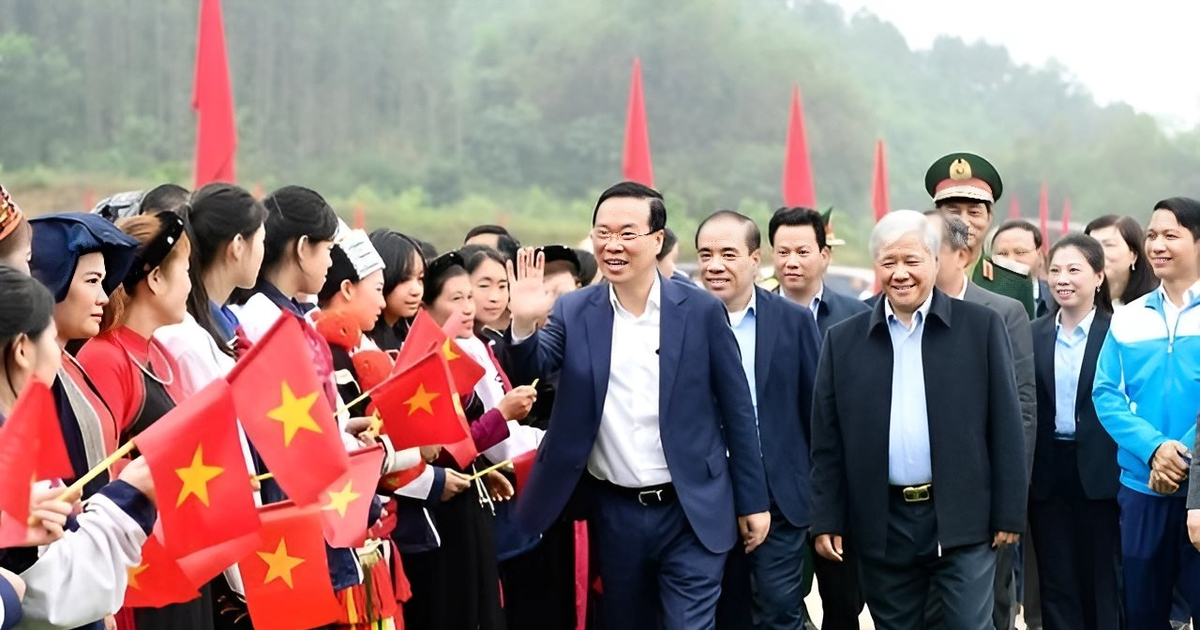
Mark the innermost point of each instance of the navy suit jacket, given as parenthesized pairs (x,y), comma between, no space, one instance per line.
(704,408)
(1096,451)
(786,346)
(835,307)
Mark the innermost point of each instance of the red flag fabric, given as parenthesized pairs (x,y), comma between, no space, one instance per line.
(879,184)
(523,466)
(635,164)
(284,412)
(798,188)
(1066,223)
(399,479)
(157,581)
(419,406)
(463,451)
(1014,207)
(1044,217)
(287,577)
(18,452)
(347,502)
(199,473)
(212,98)
(425,337)
(208,563)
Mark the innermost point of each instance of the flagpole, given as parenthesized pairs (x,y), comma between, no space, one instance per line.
(507,462)
(77,487)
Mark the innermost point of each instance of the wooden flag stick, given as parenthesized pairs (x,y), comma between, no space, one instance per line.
(76,488)
(262,477)
(534,383)
(507,462)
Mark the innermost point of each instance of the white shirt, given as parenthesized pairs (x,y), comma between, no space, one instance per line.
(1171,311)
(962,293)
(816,301)
(628,450)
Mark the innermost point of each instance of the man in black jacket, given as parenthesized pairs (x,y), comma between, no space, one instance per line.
(926,475)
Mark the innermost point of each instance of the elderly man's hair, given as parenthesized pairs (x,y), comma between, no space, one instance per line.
(896,225)
(954,229)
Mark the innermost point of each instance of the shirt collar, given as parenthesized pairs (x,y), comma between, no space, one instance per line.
(1189,296)
(736,317)
(653,301)
(817,298)
(922,311)
(962,294)
(1084,326)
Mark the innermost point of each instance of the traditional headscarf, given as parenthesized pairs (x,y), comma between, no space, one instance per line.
(10,215)
(59,240)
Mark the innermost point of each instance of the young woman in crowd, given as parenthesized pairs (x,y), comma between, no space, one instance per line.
(135,374)
(457,585)
(81,258)
(1073,507)
(1126,267)
(79,579)
(403,286)
(1145,392)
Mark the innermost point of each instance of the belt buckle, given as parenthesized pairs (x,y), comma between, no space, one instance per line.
(916,494)
(656,494)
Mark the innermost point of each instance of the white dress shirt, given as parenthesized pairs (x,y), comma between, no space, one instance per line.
(628,450)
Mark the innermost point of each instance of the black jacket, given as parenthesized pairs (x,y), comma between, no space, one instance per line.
(835,308)
(975,436)
(1095,449)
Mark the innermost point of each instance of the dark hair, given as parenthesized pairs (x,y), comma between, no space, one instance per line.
(634,190)
(487,228)
(428,250)
(1020,224)
(165,197)
(438,271)
(508,246)
(669,243)
(1093,253)
(340,270)
(588,267)
(27,309)
(1186,211)
(753,235)
(292,212)
(795,217)
(397,251)
(475,255)
(954,230)
(216,215)
(1141,277)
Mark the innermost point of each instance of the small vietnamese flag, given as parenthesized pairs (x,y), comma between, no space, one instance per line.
(287,577)
(426,337)
(419,406)
(157,580)
(284,412)
(52,459)
(523,467)
(31,446)
(345,505)
(199,473)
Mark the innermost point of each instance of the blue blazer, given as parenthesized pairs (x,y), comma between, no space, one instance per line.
(786,346)
(704,408)
(835,307)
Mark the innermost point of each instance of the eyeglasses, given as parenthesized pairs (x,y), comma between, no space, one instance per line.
(602,235)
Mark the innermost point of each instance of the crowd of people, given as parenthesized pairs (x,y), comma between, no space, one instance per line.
(1007,424)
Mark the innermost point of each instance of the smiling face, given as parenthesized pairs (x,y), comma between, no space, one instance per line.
(623,260)
(490,291)
(78,315)
(799,261)
(1072,280)
(455,302)
(1171,248)
(727,267)
(364,299)
(906,270)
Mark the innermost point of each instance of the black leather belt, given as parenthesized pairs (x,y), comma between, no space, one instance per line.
(913,494)
(648,496)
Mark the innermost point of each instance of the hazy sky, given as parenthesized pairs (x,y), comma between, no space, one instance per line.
(1145,53)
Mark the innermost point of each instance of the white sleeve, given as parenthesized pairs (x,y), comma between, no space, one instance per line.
(521,439)
(418,488)
(82,577)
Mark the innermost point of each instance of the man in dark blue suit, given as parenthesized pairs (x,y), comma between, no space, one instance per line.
(653,430)
(779,345)
(801,252)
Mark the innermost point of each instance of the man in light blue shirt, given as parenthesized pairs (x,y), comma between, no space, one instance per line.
(908,433)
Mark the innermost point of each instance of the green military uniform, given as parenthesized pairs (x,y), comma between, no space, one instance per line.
(968,176)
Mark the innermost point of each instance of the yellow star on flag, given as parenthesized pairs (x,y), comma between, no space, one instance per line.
(280,564)
(294,413)
(196,477)
(133,572)
(448,351)
(342,499)
(421,400)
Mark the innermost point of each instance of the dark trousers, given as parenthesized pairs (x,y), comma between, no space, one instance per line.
(655,572)
(841,597)
(763,590)
(898,587)
(1078,544)
(1004,589)
(1156,558)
